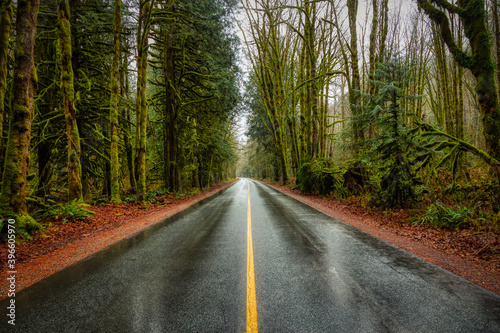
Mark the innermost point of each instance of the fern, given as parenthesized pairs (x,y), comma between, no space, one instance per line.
(446,217)
(72,211)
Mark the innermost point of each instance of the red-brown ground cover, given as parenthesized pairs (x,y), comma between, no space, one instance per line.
(471,254)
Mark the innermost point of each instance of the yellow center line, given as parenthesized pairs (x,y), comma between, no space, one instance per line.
(251,299)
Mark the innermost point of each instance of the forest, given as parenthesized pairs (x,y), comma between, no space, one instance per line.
(106,101)
(392,103)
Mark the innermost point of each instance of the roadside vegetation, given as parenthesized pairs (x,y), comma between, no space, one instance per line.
(393,109)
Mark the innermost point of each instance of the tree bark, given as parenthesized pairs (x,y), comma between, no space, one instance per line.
(16,167)
(5,25)
(496,23)
(142,109)
(44,153)
(384,29)
(304,109)
(354,93)
(171,143)
(68,94)
(113,112)
(311,58)
(373,44)
(126,113)
(292,126)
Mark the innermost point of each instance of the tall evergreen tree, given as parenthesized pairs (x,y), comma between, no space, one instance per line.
(393,148)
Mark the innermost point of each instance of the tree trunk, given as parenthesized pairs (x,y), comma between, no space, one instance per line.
(373,58)
(44,153)
(16,167)
(312,87)
(68,94)
(496,23)
(304,123)
(142,110)
(113,112)
(126,113)
(384,29)
(354,93)
(5,23)
(172,170)
(292,125)
(373,44)
(444,86)
(276,164)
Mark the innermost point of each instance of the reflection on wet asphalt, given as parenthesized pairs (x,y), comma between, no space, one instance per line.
(313,273)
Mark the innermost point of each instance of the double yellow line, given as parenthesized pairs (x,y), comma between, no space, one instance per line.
(251,299)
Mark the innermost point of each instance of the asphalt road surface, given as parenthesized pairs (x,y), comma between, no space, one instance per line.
(298,270)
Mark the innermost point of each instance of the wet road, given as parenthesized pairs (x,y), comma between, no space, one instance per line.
(312,273)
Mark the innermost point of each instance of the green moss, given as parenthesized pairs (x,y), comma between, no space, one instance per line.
(26,226)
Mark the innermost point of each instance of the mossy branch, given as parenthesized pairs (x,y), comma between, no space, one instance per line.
(460,144)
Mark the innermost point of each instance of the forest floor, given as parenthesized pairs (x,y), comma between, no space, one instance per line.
(63,244)
(470,253)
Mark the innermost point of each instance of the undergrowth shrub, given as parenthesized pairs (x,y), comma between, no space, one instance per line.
(153,196)
(320,176)
(25,226)
(355,178)
(450,218)
(70,211)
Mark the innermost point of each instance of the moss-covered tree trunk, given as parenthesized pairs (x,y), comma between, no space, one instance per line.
(113,111)
(16,165)
(292,127)
(373,44)
(443,82)
(304,109)
(384,29)
(459,99)
(171,143)
(496,23)
(5,23)
(324,122)
(312,87)
(354,93)
(68,103)
(472,13)
(142,108)
(127,114)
